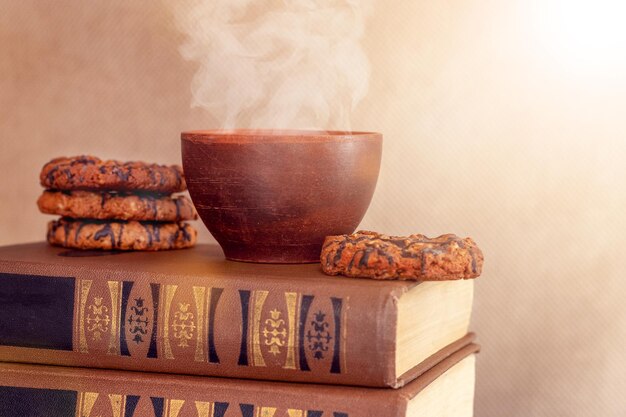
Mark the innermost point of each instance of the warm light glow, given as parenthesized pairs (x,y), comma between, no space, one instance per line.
(583,35)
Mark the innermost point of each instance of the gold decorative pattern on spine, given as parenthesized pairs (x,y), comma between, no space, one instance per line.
(118,403)
(259,300)
(274,332)
(297,325)
(266,411)
(183,325)
(295,413)
(97,319)
(115,288)
(201,303)
(205,409)
(169,291)
(172,407)
(291,299)
(86,400)
(84,285)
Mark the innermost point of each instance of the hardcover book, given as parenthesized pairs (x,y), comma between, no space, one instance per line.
(192,312)
(444,390)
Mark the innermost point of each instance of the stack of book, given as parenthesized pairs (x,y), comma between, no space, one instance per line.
(187,333)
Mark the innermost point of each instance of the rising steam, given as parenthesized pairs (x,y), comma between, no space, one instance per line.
(277,63)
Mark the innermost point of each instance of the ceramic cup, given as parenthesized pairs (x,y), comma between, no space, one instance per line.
(272,196)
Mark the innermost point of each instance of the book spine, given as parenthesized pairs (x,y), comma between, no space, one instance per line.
(268,329)
(38,391)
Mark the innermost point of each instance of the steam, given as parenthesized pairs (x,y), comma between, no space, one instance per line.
(277,63)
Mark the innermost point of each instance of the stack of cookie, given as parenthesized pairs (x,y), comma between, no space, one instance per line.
(112,205)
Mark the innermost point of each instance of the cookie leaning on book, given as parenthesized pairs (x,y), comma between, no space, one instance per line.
(416,257)
(112,205)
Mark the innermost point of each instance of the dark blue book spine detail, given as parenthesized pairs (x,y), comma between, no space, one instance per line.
(247,410)
(131,404)
(243,352)
(304,311)
(127,286)
(216,293)
(36,311)
(152,350)
(314,413)
(220,409)
(157,404)
(32,402)
(336,364)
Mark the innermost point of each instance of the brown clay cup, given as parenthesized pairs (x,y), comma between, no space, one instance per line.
(272,196)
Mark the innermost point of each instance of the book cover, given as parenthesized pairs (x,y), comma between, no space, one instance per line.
(444,390)
(192,312)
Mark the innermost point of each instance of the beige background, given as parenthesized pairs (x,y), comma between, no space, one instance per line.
(488,133)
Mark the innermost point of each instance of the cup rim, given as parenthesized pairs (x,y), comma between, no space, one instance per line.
(276,135)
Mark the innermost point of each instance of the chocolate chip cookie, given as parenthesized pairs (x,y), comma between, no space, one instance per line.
(118,206)
(91,173)
(415,257)
(119,235)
